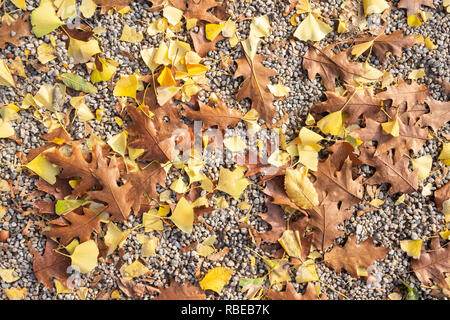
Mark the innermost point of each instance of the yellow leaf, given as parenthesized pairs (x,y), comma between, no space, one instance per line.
(309,137)
(6,130)
(279,90)
(277,271)
(61,288)
(331,123)
(229,29)
(109,68)
(148,245)
(445,153)
(412,247)
(222,203)
(6,78)
(16,293)
(243,205)
(183,216)
(361,272)
(82,51)
(176,52)
(303,6)
(232,182)
(290,241)
(131,35)
(66,8)
(445,234)
(423,164)
(72,245)
(216,279)
(429,43)
(116,295)
(179,186)
(400,200)
(44,168)
(207,185)
(426,190)
(250,46)
(191,23)
(8,276)
(45,53)
(391,127)
(278,158)
(376,202)
(342,27)
(300,189)
(148,56)
(207,246)
(133,270)
(85,256)
(166,79)
(260,26)
(82,110)
(152,221)
(306,272)
(173,15)
(251,119)
(359,49)
(17,67)
(308,156)
(374,6)
(235,144)
(115,237)
(413,21)
(126,87)
(44,19)
(164,94)
(212,30)
(20,4)
(312,29)
(310,121)
(118,143)
(88,8)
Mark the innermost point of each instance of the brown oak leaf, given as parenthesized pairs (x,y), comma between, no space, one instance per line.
(412,6)
(199,9)
(403,92)
(50,265)
(80,226)
(330,66)
(202,45)
(177,291)
(340,151)
(220,116)
(433,265)
(274,217)
(133,289)
(275,189)
(353,256)
(255,86)
(441,195)
(107,5)
(291,294)
(21,28)
(439,114)
(397,175)
(59,190)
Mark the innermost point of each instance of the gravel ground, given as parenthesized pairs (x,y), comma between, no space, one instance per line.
(418,218)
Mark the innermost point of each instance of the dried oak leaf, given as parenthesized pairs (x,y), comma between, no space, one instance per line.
(255,86)
(397,175)
(325,220)
(107,5)
(384,43)
(133,289)
(354,104)
(441,195)
(198,9)
(81,226)
(220,116)
(50,265)
(144,182)
(202,45)
(432,266)
(338,185)
(412,6)
(76,165)
(291,294)
(439,114)
(257,163)
(275,217)
(353,256)
(21,28)
(176,291)
(59,190)
(275,189)
(331,66)
(403,92)
(155,135)
(340,151)
(119,199)
(411,137)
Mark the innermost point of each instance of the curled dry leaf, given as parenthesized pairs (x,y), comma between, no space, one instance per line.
(177,291)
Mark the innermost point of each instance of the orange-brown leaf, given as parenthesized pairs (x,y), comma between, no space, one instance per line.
(176,291)
(21,27)
(412,6)
(291,294)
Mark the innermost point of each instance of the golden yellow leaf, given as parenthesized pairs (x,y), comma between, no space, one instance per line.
(166,79)
(412,247)
(85,256)
(429,43)
(300,189)
(8,276)
(232,182)
(260,27)
(278,158)
(235,144)
(359,49)
(416,74)
(229,29)
(173,15)
(21,4)
(126,87)
(212,30)
(131,35)
(445,153)
(413,21)
(179,186)
(82,51)
(222,203)
(6,78)
(376,202)
(279,90)
(133,270)
(16,293)
(216,279)
(183,215)
(152,220)
(289,240)
(312,29)
(374,6)
(118,143)
(423,164)
(88,8)
(61,288)
(391,127)
(306,272)
(332,123)
(44,19)
(109,68)
(44,168)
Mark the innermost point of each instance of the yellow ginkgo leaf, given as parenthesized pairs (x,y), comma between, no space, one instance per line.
(374,6)
(423,164)
(216,279)
(131,35)
(250,46)
(376,202)
(148,245)
(331,123)
(21,4)
(229,29)
(289,240)
(412,247)
(166,79)
(72,245)
(44,168)
(152,220)
(309,137)
(82,110)
(413,21)
(66,8)
(17,67)
(429,43)
(212,30)
(308,156)
(133,270)
(251,119)
(16,293)
(445,153)
(179,186)
(278,158)
(173,15)
(126,87)
(85,256)
(260,26)
(61,288)
(191,23)
(416,74)
(88,8)
(115,237)
(6,130)
(109,68)
(342,27)
(232,182)
(306,272)
(279,90)
(391,127)
(207,246)
(118,143)
(278,272)
(44,19)
(82,51)
(45,53)
(300,189)
(359,49)
(8,276)
(183,215)
(222,203)
(148,55)
(312,29)
(235,144)
(6,78)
